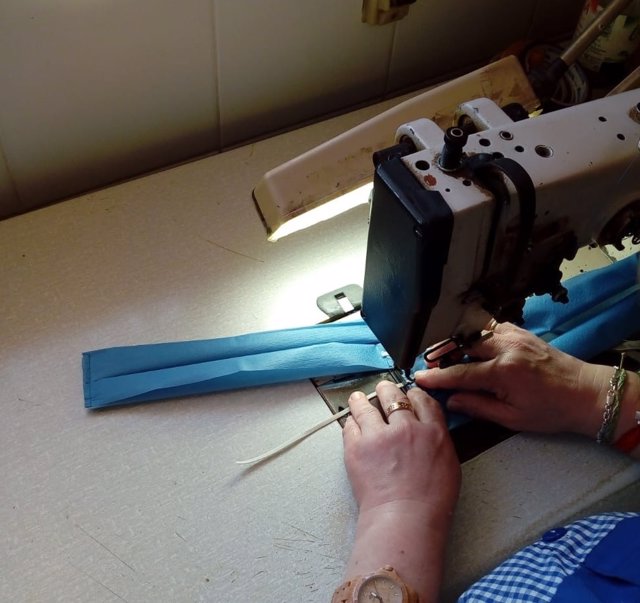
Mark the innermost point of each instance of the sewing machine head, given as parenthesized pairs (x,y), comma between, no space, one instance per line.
(475,208)
(466,223)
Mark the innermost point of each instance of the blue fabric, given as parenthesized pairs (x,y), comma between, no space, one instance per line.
(550,570)
(604,308)
(157,371)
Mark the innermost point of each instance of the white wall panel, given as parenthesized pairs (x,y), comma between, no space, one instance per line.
(285,61)
(97,91)
(439,37)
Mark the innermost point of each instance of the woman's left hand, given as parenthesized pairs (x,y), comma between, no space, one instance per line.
(405,476)
(410,457)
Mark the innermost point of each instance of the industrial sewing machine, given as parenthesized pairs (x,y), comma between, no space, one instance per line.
(477,203)
(467,223)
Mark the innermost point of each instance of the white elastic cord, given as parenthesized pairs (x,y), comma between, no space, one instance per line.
(293,441)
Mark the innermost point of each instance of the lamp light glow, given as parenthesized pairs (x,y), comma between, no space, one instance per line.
(328,210)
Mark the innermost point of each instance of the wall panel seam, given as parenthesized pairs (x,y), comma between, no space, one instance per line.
(12,183)
(215,76)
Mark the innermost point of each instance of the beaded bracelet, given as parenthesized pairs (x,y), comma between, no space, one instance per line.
(612,405)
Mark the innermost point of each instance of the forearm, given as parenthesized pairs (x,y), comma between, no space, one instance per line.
(409,536)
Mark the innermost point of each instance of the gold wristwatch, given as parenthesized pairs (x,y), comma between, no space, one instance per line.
(382,586)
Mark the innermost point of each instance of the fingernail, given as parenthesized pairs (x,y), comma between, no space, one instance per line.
(419,374)
(357,395)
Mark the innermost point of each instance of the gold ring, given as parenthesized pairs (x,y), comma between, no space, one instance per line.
(493,323)
(400,405)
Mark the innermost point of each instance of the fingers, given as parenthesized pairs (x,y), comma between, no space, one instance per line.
(426,409)
(365,415)
(506,339)
(485,349)
(491,325)
(397,406)
(394,403)
(478,405)
(500,341)
(474,376)
(496,340)
(351,429)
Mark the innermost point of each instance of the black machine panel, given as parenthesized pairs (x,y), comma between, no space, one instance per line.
(409,236)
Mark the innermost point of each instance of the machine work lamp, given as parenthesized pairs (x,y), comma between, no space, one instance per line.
(336,175)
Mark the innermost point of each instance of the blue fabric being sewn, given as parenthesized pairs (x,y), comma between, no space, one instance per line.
(165,370)
(604,308)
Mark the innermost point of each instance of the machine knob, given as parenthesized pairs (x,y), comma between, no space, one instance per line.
(454,140)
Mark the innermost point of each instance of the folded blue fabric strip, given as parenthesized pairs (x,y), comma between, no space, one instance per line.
(142,373)
(604,309)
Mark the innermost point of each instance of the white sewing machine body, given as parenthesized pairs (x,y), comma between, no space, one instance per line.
(450,246)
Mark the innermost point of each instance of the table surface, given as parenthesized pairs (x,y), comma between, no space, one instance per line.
(145,502)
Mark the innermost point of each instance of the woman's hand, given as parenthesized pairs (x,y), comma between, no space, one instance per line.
(523,383)
(409,458)
(405,477)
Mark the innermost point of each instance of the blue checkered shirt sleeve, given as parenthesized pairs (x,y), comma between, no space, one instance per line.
(534,574)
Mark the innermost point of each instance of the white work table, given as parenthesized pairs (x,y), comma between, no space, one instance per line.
(145,503)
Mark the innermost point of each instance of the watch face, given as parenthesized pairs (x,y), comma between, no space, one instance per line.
(380,589)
